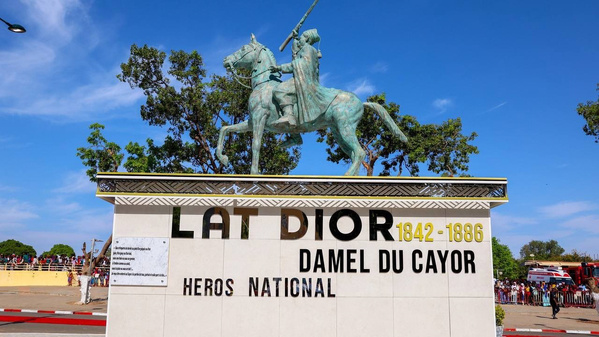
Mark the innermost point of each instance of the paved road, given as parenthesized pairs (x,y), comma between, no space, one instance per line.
(65,299)
(51,298)
(51,323)
(531,317)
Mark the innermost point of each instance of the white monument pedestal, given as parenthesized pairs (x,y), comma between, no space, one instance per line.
(220,255)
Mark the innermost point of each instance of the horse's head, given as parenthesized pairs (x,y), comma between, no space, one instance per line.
(246,57)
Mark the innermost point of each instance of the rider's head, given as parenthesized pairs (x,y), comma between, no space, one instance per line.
(311,36)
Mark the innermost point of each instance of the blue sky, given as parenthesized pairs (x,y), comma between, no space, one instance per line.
(514,71)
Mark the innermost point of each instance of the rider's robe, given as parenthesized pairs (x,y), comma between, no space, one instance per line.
(312,98)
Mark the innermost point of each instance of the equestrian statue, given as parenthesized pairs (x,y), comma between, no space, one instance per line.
(299,104)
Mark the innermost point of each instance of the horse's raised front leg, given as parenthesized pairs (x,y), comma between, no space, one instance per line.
(257,133)
(241,127)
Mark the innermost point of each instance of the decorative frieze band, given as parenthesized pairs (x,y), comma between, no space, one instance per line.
(301,187)
(300,203)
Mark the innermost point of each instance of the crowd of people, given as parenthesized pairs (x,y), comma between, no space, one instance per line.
(73,265)
(47,263)
(533,293)
(99,278)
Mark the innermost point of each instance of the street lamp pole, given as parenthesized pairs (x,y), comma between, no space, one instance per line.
(13,27)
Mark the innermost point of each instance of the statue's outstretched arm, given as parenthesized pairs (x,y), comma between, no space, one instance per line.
(286,68)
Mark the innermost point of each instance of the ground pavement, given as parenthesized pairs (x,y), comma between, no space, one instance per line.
(62,299)
(517,317)
(574,320)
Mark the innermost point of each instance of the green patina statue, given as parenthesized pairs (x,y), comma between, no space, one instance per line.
(299,104)
(304,93)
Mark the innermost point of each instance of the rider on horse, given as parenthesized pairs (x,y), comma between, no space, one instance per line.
(304,91)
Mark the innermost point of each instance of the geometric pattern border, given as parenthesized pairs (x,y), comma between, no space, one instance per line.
(299,203)
(336,187)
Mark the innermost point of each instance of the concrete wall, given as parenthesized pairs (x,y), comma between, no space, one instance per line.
(33,278)
(427,298)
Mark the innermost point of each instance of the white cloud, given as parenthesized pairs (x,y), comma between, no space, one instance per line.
(379,67)
(5,188)
(91,221)
(69,221)
(509,230)
(567,208)
(12,143)
(53,70)
(58,205)
(497,107)
(582,224)
(14,213)
(503,222)
(576,233)
(56,17)
(583,245)
(515,242)
(75,183)
(83,103)
(24,68)
(361,87)
(324,78)
(442,104)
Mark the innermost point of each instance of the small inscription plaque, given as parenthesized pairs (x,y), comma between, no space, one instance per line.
(139,262)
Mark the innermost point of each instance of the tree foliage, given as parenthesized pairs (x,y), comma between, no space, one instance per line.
(169,157)
(60,249)
(575,256)
(193,110)
(590,112)
(100,155)
(550,250)
(12,246)
(444,149)
(542,250)
(503,261)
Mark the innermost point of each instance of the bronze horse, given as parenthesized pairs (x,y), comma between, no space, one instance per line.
(341,116)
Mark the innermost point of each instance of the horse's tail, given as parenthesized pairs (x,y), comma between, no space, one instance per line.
(384,115)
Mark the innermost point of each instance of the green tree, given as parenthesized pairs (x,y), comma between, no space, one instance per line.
(503,261)
(100,155)
(60,249)
(443,148)
(12,246)
(590,112)
(542,250)
(193,110)
(575,256)
(170,157)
